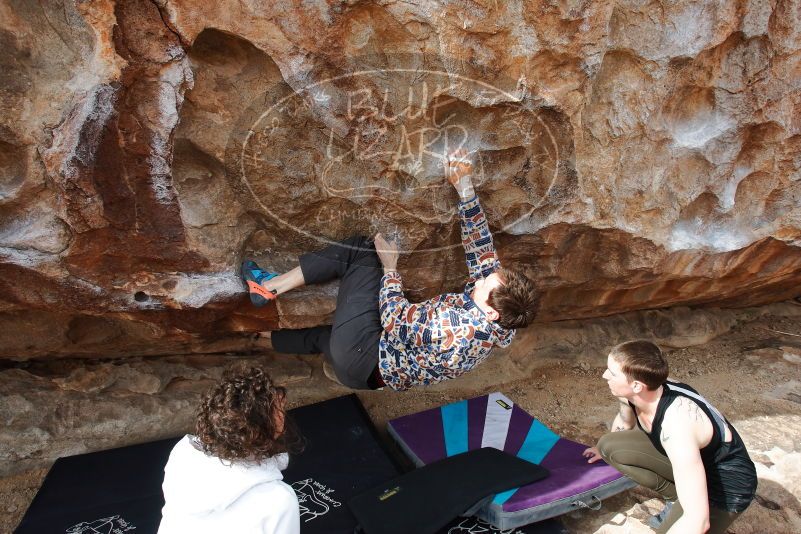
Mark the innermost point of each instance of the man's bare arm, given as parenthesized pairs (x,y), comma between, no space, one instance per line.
(679,439)
(625,418)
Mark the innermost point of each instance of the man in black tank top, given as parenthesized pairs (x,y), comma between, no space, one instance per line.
(682,447)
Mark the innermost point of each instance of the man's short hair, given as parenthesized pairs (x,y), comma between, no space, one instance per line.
(238,415)
(516,301)
(642,361)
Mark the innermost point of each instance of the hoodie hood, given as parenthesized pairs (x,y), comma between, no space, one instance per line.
(207,484)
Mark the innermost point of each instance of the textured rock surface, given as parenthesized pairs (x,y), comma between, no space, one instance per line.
(634,155)
(66,407)
(53,408)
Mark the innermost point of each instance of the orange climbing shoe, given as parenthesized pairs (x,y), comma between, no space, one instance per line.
(254,276)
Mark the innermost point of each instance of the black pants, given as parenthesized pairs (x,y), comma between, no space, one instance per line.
(351,343)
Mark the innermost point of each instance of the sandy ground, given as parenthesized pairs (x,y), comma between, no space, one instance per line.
(752,374)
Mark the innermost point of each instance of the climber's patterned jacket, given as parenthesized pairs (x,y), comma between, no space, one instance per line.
(448,335)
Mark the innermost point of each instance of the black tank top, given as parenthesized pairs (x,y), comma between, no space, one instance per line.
(731,479)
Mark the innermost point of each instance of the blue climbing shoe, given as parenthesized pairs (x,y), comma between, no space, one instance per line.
(254,276)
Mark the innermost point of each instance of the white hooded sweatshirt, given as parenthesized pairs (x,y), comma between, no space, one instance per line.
(206,496)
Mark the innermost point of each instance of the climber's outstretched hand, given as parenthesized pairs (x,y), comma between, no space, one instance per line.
(460,173)
(387,252)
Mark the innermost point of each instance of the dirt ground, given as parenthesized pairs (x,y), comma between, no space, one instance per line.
(752,374)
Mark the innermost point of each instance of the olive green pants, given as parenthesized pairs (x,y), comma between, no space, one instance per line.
(633,454)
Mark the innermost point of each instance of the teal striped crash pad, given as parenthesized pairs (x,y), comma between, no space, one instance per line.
(496,421)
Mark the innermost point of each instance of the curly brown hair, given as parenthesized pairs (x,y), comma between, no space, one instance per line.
(516,301)
(240,418)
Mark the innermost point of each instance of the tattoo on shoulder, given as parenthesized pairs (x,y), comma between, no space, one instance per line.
(692,410)
(618,428)
(696,412)
(689,408)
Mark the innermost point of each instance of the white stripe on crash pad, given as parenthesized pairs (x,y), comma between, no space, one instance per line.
(496,423)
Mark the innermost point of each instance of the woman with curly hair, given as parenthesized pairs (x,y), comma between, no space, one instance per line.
(227,476)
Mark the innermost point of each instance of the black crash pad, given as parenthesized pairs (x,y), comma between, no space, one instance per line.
(427,499)
(119,490)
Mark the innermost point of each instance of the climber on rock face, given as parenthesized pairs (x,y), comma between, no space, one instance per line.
(379,338)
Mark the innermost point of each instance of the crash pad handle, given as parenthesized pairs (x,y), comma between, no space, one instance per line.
(594,504)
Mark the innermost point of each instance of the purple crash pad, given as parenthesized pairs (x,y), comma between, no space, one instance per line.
(495,421)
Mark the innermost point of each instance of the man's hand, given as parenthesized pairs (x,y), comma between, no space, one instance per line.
(460,172)
(592,455)
(387,252)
